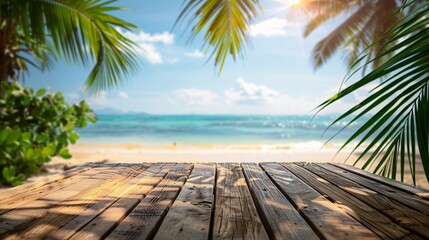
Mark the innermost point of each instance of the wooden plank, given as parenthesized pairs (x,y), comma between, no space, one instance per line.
(59,215)
(329,220)
(403,215)
(96,202)
(386,190)
(104,216)
(398,185)
(235,214)
(6,194)
(146,217)
(280,218)
(32,193)
(39,207)
(189,216)
(364,213)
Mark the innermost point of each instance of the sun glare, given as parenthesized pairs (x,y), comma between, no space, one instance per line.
(285,6)
(294,2)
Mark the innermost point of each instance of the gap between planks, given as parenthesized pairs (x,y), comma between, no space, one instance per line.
(264,183)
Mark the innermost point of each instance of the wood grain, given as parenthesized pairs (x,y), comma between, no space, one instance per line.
(37,208)
(145,218)
(281,218)
(189,217)
(329,220)
(405,198)
(36,191)
(214,201)
(8,194)
(402,214)
(61,214)
(97,223)
(377,222)
(424,194)
(235,215)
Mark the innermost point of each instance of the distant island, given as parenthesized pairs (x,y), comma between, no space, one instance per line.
(113,111)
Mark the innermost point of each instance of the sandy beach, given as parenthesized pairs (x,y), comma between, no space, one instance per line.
(137,153)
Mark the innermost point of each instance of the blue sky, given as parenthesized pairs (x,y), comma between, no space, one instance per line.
(176,77)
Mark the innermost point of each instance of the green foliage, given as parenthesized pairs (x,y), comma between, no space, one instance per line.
(399,129)
(34,127)
(37,32)
(366,21)
(225,24)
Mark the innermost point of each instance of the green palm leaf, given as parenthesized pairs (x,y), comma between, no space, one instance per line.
(225,24)
(81,31)
(366,22)
(326,47)
(399,129)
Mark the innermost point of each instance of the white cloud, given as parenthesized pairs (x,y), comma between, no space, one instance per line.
(249,93)
(164,37)
(195,54)
(268,28)
(274,27)
(195,96)
(123,95)
(73,96)
(147,43)
(98,100)
(150,53)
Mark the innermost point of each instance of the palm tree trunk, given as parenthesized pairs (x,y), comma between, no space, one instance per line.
(8,66)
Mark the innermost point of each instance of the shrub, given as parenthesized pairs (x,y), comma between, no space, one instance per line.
(34,127)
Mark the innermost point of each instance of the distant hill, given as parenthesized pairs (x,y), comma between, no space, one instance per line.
(113,111)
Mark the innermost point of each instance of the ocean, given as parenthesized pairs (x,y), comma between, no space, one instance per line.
(215,129)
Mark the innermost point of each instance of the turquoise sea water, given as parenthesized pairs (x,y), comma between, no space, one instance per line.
(213,129)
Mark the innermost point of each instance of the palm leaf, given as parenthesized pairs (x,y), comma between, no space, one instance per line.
(80,31)
(324,10)
(326,47)
(399,127)
(366,22)
(224,24)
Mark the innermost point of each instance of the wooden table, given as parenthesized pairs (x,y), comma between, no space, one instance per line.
(215,201)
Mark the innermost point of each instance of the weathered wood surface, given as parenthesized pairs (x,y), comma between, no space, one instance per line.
(412,201)
(12,198)
(9,193)
(64,212)
(104,215)
(366,214)
(405,216)
(33,210)
(279,215)
(214,201)
(235,214)
(386,181)
(146,217)
(189,216)
(329,220)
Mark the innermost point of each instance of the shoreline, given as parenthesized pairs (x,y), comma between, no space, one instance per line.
(129,146)
(84,152)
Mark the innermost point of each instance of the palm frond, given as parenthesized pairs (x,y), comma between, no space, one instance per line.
(324,10)
(399,129)
(366,21)
(81,31)
(326,47)
(224,24)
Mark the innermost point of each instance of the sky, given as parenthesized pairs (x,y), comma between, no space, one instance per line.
(176,76)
